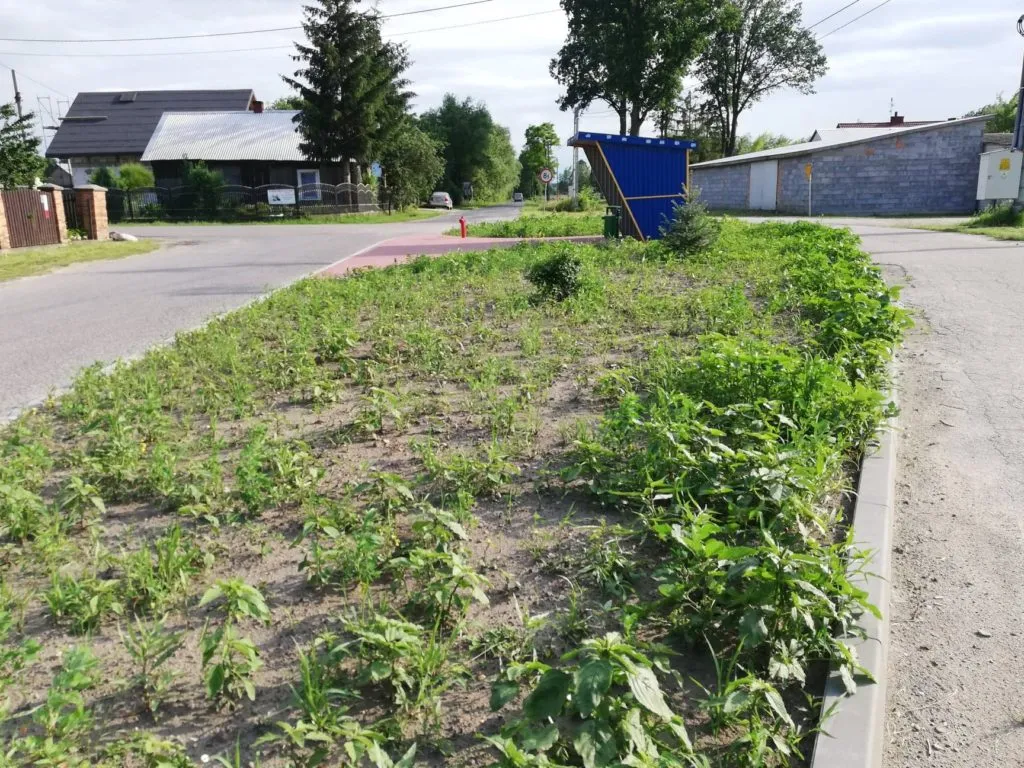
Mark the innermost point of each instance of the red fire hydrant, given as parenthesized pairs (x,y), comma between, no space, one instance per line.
(462,226)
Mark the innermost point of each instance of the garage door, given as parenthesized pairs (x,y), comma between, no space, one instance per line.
(764,179)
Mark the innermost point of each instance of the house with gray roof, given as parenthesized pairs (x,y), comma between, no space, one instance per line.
(877,170)
(250,149)
(113,128)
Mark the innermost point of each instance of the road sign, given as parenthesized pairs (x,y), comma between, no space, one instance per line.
(546,176)
(807,171)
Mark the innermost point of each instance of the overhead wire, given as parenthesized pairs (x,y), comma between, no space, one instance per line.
(855,19)
(22,74)
(832,15)
(226,34)
(264,48)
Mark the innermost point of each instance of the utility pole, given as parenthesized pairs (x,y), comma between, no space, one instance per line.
(17,93)
(575,153)
(1018,126)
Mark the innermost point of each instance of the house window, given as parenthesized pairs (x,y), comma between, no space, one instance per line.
(309,183)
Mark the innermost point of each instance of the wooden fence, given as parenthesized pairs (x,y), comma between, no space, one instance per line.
(31,217)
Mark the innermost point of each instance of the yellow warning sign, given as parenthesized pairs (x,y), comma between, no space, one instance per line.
(807,171)
(1004,164)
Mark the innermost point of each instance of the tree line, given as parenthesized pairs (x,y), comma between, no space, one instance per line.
(633,56)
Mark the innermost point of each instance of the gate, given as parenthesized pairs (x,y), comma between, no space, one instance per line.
(30,217)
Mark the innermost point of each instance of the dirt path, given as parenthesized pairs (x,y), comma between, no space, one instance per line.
(956,663)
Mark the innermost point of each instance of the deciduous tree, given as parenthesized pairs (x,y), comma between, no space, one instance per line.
(1004,114)
(536,156)
(476,150)
(630,54)
(412,165)
(761,48)
(20,161)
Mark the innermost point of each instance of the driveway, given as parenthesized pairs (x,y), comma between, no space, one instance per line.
(53,325)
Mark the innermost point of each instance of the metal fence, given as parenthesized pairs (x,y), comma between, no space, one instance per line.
(71,210)
(237,203)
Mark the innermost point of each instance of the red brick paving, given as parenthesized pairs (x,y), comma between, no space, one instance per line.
(401,249)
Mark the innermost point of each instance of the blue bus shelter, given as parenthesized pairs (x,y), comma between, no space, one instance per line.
(645,177)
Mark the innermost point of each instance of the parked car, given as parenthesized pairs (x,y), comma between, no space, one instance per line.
(517,197)
(441,200)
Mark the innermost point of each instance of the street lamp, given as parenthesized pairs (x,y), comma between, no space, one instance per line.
(1018,125)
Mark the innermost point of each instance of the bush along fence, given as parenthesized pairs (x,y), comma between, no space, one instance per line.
(239,203)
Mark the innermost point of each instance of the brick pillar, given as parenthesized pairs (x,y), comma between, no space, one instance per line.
(57,209)
(91,202)
(5,239)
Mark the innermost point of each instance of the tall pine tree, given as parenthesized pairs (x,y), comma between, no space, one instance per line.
(351,84)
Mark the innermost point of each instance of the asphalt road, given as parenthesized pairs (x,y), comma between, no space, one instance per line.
(53,325)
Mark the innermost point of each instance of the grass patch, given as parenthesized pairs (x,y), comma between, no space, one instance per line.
(539,225)
(333,218)
(1000,222)
(607,503)
(22,262)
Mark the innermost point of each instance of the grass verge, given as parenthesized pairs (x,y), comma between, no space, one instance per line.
(353,521)
(334,218)
(539,225)
(22,262)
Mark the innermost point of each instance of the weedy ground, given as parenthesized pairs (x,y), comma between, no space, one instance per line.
(23,262)
(443,514)
(540,224)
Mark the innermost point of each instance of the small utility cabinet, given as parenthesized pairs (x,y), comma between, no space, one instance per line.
(999,177)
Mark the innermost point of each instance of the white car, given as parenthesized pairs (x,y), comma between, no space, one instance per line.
(441,200)
(517,197)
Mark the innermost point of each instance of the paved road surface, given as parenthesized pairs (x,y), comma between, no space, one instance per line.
(956,664)
(53,325)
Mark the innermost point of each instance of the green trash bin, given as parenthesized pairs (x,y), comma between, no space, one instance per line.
(611,221)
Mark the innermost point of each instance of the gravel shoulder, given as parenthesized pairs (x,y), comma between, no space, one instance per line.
(956,662)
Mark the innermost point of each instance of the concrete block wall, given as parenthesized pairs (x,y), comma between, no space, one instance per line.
(927,172)
(725,188)
(933,171)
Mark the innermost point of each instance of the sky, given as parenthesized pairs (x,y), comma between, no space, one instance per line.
(931,59)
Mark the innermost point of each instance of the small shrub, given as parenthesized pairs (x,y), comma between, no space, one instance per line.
(692,229)
(558,276)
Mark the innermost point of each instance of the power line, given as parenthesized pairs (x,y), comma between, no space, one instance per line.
(32,80)
(265,48)
(858,18)
(226,34)
(833,15)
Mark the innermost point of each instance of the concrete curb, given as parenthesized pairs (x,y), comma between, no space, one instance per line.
(855,737)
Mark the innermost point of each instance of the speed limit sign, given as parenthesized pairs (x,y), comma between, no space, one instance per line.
(546,176)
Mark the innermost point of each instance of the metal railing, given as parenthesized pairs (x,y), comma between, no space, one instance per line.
(238,203)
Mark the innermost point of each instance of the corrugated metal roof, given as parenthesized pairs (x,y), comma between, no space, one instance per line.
(122,122)
(267,136)
(810,147)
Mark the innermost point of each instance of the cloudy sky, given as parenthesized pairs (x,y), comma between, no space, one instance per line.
(933,58)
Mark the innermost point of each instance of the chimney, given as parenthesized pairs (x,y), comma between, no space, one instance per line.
(257,107)
(896,119)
